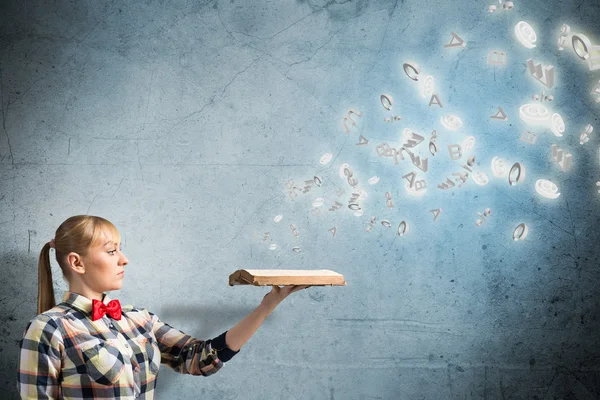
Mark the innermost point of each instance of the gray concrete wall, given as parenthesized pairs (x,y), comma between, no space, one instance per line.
(181,122)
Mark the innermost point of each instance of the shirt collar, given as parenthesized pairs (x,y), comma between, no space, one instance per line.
(81,302)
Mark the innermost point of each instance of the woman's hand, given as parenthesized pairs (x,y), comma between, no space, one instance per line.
(277,294)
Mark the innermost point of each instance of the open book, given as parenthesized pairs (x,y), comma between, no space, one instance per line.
(284,277)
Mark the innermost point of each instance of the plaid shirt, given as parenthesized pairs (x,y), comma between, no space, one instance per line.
(66,355)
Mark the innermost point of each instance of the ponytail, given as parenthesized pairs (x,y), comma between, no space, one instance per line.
(45,290)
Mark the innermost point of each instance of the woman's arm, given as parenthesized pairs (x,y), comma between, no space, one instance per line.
(243,330)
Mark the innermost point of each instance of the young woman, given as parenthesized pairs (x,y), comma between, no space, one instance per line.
(89,347)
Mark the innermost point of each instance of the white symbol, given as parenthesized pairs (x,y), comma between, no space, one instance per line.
(412,139)
(402,228)
(480,178)
(386,223)
(498,167)
(562,158)
(499,115)
(418,188)
(386,101)
(468,144)
(294,231)
(433,148)
(278,218)
(317,181)
(546,188)
(417,162)
(426,86)
(564,34)
(273,246)
(296,249)
(411,70)
(348,174)
(362,141)
(529,137)
(354,206)
(482,218)
(598,184)
(545,75)
(585,135)
(470,162)
(388,200)
(446,185)
(520,172)
(451,122)
(455,151)
(354,197)
(410,177)
(392,119)
(371,224)
(358,213)
(496,58)
(362,194)
(456,41)
(383,150)
(318,202)
(326,158)
(525,34)
(462,176)
(336,206)
(373,180)
(308,185)
(596,92)
(267,235)
(508,5)
(534,113)
(333,230)
(586,51)
(542,97)
(557,124)
(435,100)
(436,213)
(520,232)
(348,117)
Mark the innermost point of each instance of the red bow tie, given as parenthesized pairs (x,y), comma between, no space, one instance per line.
(113,309)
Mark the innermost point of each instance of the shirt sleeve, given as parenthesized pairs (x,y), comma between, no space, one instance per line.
(186,354)
(39,364)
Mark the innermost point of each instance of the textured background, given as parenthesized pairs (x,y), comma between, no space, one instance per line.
(181,122)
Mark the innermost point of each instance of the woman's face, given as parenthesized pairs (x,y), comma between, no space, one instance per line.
(102,270)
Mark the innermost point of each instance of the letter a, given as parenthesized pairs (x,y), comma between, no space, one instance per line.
(459,42)
(437,100)
(500,114)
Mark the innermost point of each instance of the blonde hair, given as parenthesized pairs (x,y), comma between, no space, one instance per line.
(76,234)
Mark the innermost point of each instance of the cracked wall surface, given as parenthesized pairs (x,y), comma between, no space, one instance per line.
(183,122)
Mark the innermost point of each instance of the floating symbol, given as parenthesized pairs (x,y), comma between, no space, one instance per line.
(347,172)
(542,97)
(296,249)
(354,207)
(426,86)
(333,230)
(483,217)
(354,197)
(371,224)
(519,169)
(562,158)
(335,207)
(278,218)
(402,228)
(388,200)
(436,213)
(508,5)
(308,185)
(417,162)
(598,184)
(386,101)
(418,189)
(446,185)
(496,58)
(546,189)
(410,177)
(317,181)
(557,125)
(348,117)
(499,115)
(451,122)
(386,223)
(455,151)
(520,232)
(435,100)
(362,141)
(470,162)
(391,119)
(318,202)
(267,235)
(462,176)
(326,158)
(294,231)
(535,114)
(544,75)
(480,178)
(585,136)
(373,180)
(412,138)
(498,167)
(596,92)
(529,137)
(273,246)
(525,34)
(456,41)
(383,150)
(468,144)
(564,33)
(358,213)
(586,51)
(412,70)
